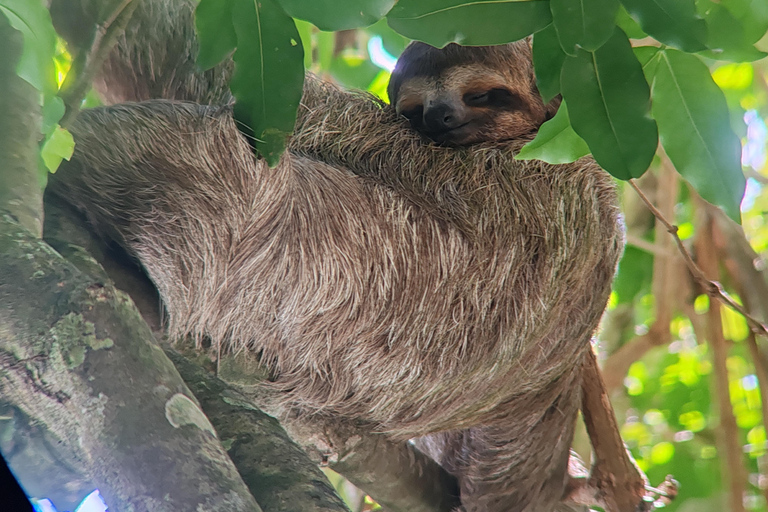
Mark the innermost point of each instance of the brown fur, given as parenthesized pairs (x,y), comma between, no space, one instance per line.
(429,291)
(488,93)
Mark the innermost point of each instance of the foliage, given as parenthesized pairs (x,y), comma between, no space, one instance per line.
(632,73)
(581,49)
(38,67)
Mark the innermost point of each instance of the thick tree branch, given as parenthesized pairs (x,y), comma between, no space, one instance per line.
(614,475)
(20,189)
(278,473)
(78,360)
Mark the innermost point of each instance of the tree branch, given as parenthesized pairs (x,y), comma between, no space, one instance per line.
(78,360)
(728,434)
(20,188)
(712,288)
(88,64)
(620,485)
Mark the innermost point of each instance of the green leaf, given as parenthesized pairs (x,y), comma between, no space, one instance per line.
(57,147)
(34,22)
(583,24)
(548,59)
(628,24)
(468,22)
(556,142)
(215,31)
(644,55)
(694,129)
(608,103)
(728,38)
(673,22)
(633,275)
(753,15)
(269,73)
(53,111)
(338,14)
(305,32)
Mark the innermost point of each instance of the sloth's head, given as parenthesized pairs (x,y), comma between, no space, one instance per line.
(459,95)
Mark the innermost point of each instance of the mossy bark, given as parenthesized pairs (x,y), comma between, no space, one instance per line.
(78,360)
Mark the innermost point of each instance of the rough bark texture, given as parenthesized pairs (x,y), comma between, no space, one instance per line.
(77,358)
(20,190)
(278,473)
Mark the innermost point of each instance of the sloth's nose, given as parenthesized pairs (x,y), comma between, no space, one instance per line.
(440,117)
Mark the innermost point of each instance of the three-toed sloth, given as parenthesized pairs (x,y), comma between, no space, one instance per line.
(430,291)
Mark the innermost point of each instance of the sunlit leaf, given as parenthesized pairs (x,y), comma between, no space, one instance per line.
(733,76)
(628,24)
(662,453)
(338,14)
(694,129)
(468,22)
(32,19)
(269,73)
(693,421)
(608,103)
(556,142)
(548,57)
(735,326)
(59,146)
(583,24)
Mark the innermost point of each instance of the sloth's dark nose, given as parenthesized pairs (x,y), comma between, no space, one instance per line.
(440,117)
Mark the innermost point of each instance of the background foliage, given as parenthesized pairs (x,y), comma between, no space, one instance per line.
(688,74)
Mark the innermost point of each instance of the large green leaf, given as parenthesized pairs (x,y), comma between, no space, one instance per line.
(753,15)
(338,14)
(673,22)
(695,131)
(34,22)
(583,24)
(548,59)
(628,24)
(215,31)
(728,37)
(608,103)
(556,142)
(269,73)
(468,22)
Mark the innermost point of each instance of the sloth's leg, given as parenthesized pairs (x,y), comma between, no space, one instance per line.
(512,464)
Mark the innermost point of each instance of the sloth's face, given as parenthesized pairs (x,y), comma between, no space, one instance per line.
(472,103)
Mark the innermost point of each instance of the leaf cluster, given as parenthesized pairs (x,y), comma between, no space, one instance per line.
(621,101)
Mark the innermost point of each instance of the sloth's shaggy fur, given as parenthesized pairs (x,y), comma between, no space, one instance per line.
(429,291)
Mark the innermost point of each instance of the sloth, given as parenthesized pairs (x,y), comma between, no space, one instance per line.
(460,95)
(426,291)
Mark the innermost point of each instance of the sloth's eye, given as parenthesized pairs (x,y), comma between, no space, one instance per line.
(476,99)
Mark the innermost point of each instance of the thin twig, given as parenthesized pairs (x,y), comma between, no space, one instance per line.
(74,89)
(712,288)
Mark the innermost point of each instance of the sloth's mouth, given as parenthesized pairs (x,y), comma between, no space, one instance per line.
(454,136)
